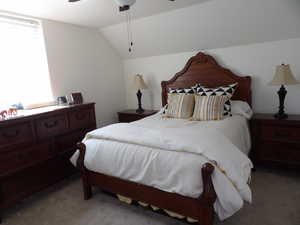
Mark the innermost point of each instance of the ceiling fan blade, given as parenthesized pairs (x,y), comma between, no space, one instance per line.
(79,0)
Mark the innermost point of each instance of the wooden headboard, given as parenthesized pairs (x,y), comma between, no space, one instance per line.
(204,69)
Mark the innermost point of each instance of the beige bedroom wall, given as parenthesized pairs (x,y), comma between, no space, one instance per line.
(80,60)
(257,60)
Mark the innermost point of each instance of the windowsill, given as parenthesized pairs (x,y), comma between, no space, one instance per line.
(26,112)
(39,105)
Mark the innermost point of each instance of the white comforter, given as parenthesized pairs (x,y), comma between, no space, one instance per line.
(168,154)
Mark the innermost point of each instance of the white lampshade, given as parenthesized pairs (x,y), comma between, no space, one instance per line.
(139,82)
(283,76)
(125,2)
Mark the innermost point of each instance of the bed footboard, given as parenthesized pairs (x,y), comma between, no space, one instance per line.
(208,197)
(87,188)
(201,208)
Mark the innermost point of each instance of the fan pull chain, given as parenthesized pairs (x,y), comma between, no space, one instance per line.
(129,31)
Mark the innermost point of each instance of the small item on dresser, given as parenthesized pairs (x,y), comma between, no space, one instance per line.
(139,84)
(18,106)
(12,112)
(76,98)
(283,76)
(3,114)
(62,100)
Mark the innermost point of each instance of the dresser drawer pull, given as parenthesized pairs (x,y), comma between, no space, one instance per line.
(51,124)
(281,134)
(80,116)
(11,134)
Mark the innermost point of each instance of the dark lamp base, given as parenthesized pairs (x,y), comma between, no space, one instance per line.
(281,94)
(281,116)
(140,111)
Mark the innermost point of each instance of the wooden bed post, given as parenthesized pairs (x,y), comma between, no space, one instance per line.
(208,196)
(87,188)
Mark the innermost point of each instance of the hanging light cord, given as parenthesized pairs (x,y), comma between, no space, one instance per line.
(129,31)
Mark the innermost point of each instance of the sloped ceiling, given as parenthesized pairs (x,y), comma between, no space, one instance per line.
(91,13)
(208,25)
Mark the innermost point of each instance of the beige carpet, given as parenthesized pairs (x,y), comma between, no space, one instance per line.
(276,201)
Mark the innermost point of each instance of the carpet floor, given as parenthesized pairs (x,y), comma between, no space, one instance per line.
(276,201)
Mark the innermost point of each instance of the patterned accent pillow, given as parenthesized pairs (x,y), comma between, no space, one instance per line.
(209,107)
(197,86)
(180,106)
(182,91)
(227,90)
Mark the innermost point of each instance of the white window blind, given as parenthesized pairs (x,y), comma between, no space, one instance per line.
(24,75)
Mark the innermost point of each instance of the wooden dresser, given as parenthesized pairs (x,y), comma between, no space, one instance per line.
(276,142)
(35,148)
(131,115)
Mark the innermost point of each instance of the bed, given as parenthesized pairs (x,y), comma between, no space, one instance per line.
(181,197)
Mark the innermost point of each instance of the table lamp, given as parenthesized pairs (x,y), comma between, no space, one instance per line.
(283,76)
(139,84)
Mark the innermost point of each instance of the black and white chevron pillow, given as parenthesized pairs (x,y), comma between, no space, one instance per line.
(182,91)
(226,90)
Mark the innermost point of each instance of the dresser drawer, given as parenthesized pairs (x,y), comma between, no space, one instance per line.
(82,118)
(15,135)
(279,152)
(280,133)
(11,161)
(51,126)
(69,141)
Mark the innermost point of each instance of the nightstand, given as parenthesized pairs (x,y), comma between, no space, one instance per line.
(276,142)
(131,115)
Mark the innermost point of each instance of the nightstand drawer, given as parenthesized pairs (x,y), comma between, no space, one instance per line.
(269,132)
(128,116)
(123,118)
(279,152)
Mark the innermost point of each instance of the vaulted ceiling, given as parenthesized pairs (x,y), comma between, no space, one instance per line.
(92,13)
(164,27)
(209,25)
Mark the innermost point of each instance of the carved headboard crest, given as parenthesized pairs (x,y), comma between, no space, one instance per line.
(204,69)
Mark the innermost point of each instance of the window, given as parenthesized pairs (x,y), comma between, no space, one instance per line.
(24,75)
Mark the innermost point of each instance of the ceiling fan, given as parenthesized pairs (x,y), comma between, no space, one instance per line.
(124,5)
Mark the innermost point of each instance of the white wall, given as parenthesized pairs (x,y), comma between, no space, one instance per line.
(81,60)
(210,24)
(256,60)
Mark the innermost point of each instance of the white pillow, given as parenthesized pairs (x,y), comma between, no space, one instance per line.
(241,108)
